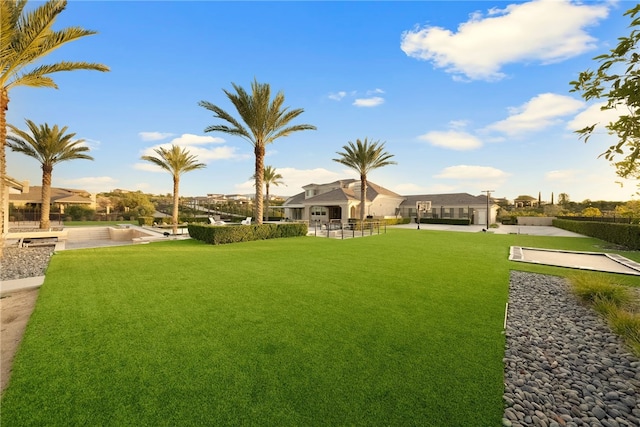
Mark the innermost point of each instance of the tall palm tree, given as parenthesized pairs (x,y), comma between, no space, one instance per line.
(48,146)
(176,161)
(266,120)
(26,38)
(363,157)
(270,177)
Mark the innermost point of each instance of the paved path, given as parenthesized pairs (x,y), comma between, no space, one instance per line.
(503,229)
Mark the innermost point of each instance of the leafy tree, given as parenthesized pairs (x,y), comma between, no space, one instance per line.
(266,120)
(591,211)
(271,177)
(25,39)
(80,213)
(48,146)
(134,204)
(363,157)
(176,161)
(631,209)
(563,199)
(617,80)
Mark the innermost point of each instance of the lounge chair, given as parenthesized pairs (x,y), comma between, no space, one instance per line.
(246,221)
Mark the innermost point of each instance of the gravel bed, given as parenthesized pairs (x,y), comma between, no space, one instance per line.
(20,263)
(563,365)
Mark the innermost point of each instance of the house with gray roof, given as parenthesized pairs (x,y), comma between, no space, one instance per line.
(61,198)
(340,200)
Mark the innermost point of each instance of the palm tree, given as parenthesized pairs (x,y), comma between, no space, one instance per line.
(48,146)
(266,121)
(364,157)
(176,161)
(271,177)
(25,38)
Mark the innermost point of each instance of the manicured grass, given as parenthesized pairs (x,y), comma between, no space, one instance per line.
(403,328)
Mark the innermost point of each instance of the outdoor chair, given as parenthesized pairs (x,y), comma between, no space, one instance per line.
(246,221)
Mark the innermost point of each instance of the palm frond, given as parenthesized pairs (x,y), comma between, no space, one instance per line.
(48,145)
(175,160)
(28,37)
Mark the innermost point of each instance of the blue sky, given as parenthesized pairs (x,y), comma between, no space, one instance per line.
(468,96)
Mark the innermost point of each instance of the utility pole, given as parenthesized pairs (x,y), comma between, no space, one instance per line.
(488,197)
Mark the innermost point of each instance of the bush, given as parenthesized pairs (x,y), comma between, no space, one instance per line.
(80,213)
(218,235)
(596,288)
(450,221)
(610,300)
(145,220)
(627,235)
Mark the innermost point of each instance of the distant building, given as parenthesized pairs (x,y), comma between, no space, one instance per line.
(61,198)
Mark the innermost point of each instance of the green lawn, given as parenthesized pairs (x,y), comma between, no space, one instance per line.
(403,328)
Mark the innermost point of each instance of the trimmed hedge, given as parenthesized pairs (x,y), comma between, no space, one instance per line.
(627,235)
(449,221)
(218,235)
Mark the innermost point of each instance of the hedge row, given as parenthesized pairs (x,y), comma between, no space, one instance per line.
(449,221)
(218,235)
(627,235)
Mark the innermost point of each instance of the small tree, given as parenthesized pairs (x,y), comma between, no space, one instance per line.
(363,157)
(176,161)
(48,146)
(617,80)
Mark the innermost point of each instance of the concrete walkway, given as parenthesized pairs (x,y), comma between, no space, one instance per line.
(502,229)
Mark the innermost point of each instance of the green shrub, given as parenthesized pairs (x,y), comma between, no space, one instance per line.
(450,221)
(77,212)
(145,220)
(610,299)
(626,325)
(627,235)
(218,235)
(598,288)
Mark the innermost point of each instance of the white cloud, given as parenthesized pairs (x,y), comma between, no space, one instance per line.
(592,115)
(337,96)
(475,179)
(374,91)
(409,188)
(93,184)
(368,102)
(452,139)
(196,145)
(466,172)
(188,139)
(567,175)
(92,144)
(153,136)
(294,179)
(148,166)
(540,112)
(542,31)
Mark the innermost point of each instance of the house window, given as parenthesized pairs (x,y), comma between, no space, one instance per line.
(318,210)
(463,212)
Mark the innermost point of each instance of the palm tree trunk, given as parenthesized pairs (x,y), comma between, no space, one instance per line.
(4,106)
(176,200)
(266,202)
(46,196)
(259,173)
(363,198)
